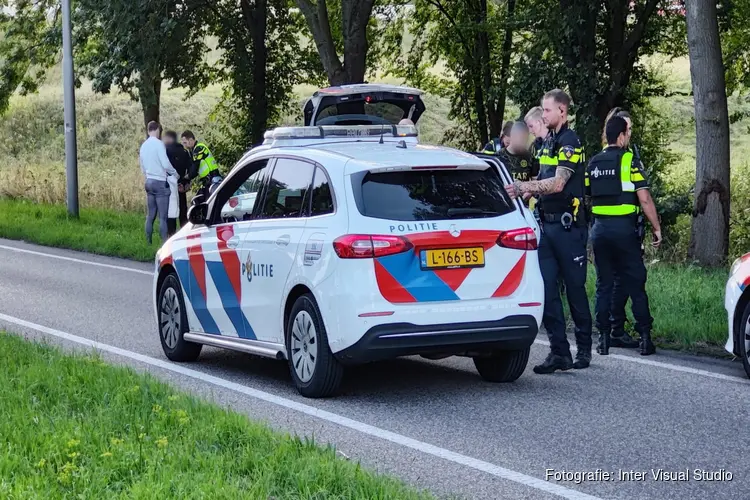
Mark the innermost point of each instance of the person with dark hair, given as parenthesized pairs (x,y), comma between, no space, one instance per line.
(156,168)
(205,168)
(516,156)
(618,187)
(620,337)
(562,249)
(182,162)
(499,143)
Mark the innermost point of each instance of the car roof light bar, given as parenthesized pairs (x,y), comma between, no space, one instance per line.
(340,131)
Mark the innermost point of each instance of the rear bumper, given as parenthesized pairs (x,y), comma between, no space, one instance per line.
(389,341)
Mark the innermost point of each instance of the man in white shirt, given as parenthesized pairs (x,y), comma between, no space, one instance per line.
(156,167)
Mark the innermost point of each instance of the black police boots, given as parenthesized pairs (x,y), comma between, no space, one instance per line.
(620,338)
(553,363)
(583,358)
(603,347)
(647,346)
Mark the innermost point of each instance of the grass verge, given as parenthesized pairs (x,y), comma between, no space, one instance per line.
(686,302)
(75,427)
(105,232)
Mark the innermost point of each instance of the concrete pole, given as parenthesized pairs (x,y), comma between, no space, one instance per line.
(71,151)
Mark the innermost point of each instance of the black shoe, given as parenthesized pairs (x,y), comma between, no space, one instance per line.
(603,347)
(647,347)
(553,363)
(622,339)
(583,359)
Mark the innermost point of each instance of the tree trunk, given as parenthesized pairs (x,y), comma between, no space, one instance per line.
(256,20)
(505,64)
(483,64)
(709,238)
(149,93)
(355,17)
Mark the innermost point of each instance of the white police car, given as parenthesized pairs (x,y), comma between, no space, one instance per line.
(737,304)
(360,245)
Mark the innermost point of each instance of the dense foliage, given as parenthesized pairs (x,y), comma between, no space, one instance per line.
(497,58)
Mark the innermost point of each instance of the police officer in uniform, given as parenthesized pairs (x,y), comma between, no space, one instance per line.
(562,249)
(205,167)
(618,187)
(619,337)
(516,157)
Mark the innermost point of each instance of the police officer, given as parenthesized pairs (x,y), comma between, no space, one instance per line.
(536,126)
(619,337)
(562,249)
(516,157)
(204,167)
(618,186)
(499,143)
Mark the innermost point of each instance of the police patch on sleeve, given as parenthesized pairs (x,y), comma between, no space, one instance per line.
(568,151)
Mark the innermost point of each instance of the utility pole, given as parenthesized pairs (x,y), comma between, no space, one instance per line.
(71,150)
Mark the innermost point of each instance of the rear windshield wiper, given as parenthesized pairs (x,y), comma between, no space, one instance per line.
(459,212)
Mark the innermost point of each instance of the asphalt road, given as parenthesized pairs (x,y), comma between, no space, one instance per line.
(436,424)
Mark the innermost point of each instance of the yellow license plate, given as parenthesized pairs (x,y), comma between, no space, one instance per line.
(449,258)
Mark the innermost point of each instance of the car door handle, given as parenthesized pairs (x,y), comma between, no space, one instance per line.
(283,241)
(233,242)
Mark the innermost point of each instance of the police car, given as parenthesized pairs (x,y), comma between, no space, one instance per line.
(359,244)
(737,304)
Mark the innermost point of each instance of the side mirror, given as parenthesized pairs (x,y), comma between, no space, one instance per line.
(198,214)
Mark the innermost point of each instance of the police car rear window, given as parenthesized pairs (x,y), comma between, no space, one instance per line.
(433,195)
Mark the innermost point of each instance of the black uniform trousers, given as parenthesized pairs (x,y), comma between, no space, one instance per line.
(562,253)
(183,206)
(617,256)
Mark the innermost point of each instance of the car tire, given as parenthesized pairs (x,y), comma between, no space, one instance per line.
(173,323)
(315,370)
(743,338)
(503,366)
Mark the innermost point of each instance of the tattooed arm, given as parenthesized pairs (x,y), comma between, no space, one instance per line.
(536,188)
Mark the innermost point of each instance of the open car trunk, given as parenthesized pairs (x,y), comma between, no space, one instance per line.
(364,104)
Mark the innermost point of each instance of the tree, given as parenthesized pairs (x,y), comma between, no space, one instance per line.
(473,38)
(593,48)
(355,17)
(138,45)
(709,239)
(262,59)
(30,40)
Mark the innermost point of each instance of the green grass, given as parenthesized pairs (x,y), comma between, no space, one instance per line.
(105,232)
(75,427)
(686,302)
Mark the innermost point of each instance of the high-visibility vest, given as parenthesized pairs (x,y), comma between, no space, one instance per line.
(611,178)
(207,161)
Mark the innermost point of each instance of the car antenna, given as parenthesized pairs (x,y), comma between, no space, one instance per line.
(382,131)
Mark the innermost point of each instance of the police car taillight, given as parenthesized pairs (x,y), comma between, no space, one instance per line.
(520,239)
(367,246)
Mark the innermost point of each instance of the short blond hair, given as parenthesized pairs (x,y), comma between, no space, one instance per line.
(534,113)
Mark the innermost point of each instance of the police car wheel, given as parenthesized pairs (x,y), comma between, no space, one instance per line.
(315,370)
(744,339)
(503,366)
(173,322)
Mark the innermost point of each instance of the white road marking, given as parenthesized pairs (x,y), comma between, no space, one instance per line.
(668,366)
(631,359)
(401,440)
(80,261)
